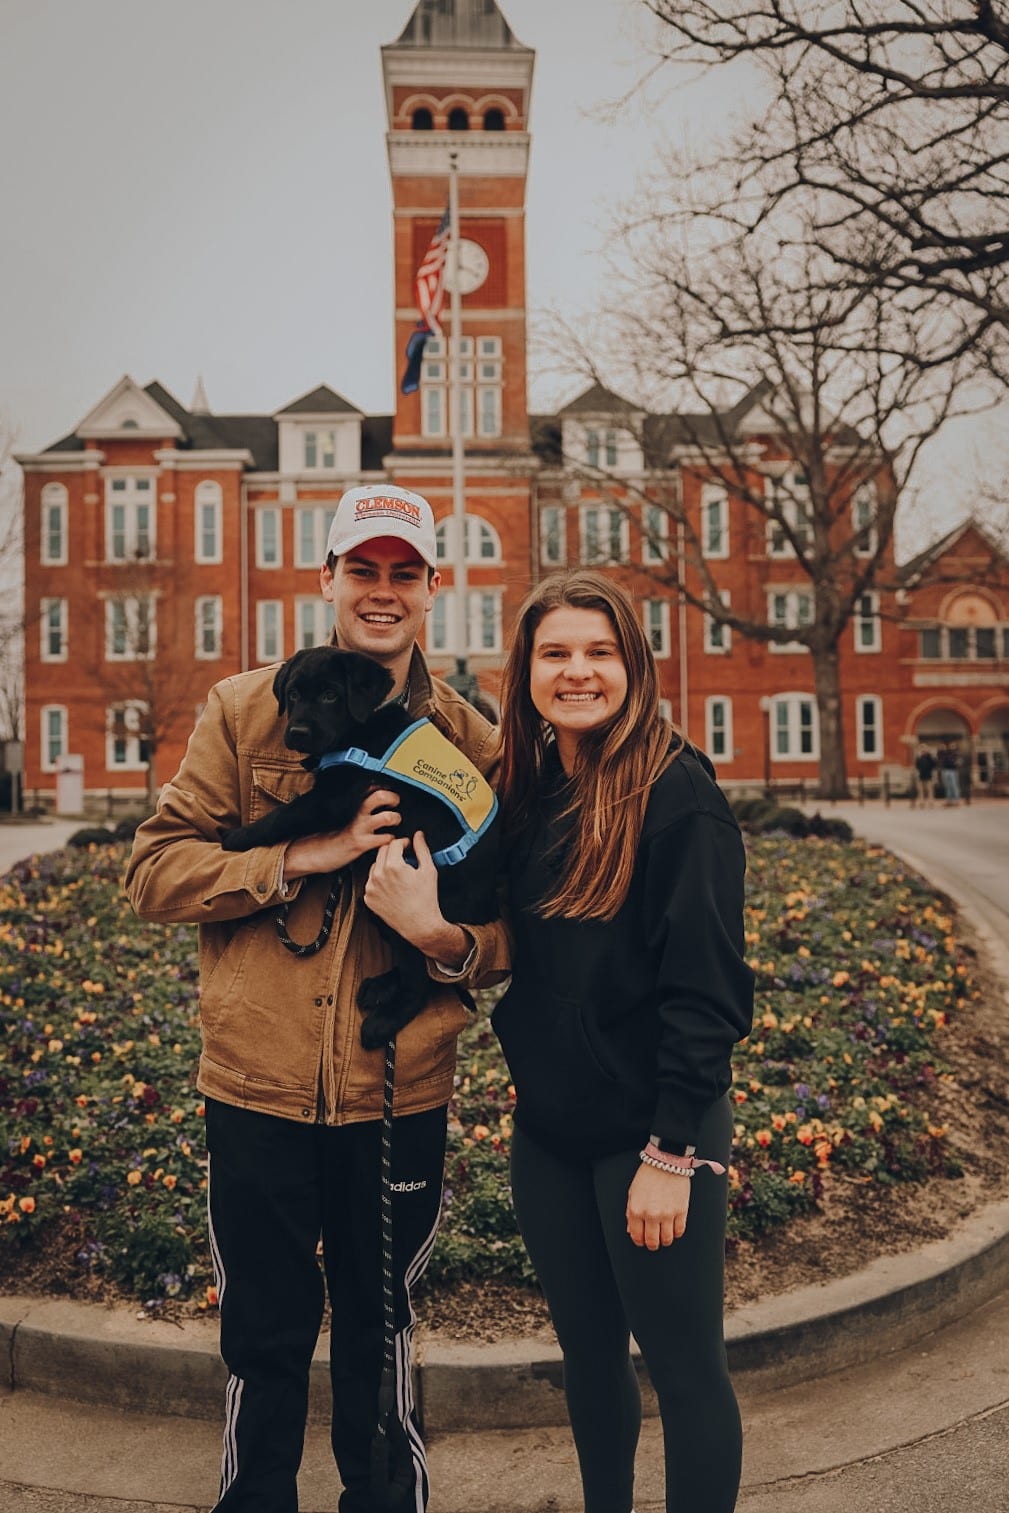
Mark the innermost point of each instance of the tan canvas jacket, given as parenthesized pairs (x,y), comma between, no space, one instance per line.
(281,1032)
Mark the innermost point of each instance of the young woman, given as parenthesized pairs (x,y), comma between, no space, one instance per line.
(628,991)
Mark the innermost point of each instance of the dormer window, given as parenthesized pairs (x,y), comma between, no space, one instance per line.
(423,120)
(458,119)
(320,449)
(493,119)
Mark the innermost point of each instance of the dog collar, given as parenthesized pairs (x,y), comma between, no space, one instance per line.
(424,758)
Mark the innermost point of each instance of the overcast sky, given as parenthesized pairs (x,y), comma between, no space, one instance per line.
(200,187)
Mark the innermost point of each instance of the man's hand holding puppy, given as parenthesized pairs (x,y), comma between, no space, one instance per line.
(406,897)
(335,849)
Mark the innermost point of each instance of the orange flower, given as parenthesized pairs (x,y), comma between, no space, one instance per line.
(39,1162)
(75,1156)
(170,1181)
(798,1178)
(27,1205)
(763,1137)
(480,1132)
(212,1296)
(133,1178)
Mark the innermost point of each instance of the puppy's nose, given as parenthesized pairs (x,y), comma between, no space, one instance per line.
(298,736)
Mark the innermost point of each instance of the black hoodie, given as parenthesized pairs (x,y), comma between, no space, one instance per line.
(616,1029)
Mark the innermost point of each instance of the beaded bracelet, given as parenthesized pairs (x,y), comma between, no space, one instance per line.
(684,1166)
(665,1166)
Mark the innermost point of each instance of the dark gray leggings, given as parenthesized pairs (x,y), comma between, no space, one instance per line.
(601,1288)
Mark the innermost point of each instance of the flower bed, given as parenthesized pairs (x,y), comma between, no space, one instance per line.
(101,1137)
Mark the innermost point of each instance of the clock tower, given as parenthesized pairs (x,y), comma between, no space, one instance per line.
(458,80)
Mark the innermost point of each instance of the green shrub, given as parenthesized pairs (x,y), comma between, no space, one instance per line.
(92,835)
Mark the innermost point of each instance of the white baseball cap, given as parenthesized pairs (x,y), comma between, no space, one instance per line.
(379,509)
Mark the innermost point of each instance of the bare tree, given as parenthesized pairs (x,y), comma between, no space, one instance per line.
(806,399)
(151,692)
(893,115)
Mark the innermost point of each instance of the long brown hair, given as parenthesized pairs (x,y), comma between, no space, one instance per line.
(615,766)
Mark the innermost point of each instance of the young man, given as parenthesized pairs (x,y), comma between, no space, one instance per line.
(294,1102)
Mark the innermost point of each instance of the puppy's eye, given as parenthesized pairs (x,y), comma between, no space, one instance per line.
(328,696)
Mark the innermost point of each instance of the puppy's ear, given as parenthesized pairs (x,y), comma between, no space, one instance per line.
(282,681)
(368,683)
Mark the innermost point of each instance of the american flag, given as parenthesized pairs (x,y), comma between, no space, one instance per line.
(430,280)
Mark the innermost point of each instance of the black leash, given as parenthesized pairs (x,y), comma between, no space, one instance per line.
(328,915)
(392,1467)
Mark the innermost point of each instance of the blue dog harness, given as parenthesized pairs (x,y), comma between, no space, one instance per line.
(424,758)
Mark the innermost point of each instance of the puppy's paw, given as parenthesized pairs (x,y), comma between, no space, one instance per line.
(387,1003)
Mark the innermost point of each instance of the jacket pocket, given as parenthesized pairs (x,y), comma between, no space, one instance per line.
(558,1075)
(276,783)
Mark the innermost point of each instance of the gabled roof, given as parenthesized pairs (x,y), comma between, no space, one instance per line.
(321,401)
(598,400)
(458,23)
(912,570)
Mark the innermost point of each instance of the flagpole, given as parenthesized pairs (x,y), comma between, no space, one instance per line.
(455,424)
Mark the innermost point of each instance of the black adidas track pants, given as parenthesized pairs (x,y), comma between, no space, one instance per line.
(275,1188)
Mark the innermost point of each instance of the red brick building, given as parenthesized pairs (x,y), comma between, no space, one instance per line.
(168,547)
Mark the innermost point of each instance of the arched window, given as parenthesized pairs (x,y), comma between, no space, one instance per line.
(423,120)
(458,119)
(493,119)
(482,541)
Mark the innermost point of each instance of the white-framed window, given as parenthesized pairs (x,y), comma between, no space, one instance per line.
(320,450)
(863,519)
(53,628)
(54,735)
(795,728)
(654,533)
(130,628)
(124,738)
(717,635)
(790,608)
(714,521)
(552,536)
(601,448)
(488,385)
(209,626)
(130,519)
(867,624)
(483,621)
(269,549)
(655,613)
(481,366)
(482,541)
(313,622)
(604,534)
(718,728)
(789,498)
(869,727)
(270,630)
(311,532)
(209,521)
(53,543)
(961,643)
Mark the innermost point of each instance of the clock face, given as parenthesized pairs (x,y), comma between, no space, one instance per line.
(474,265)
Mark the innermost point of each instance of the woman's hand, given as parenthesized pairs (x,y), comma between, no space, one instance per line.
(335,849)
(406,897)
(657,1204)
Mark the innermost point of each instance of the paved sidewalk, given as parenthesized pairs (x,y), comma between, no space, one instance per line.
(924,1430)
(23,838)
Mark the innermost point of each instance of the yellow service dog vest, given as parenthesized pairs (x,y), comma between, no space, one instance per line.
(424,758)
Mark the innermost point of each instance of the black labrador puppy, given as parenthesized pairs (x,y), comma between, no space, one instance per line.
(335,700)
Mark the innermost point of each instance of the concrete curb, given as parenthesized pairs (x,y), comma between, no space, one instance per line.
(110,1356)
(114,1357)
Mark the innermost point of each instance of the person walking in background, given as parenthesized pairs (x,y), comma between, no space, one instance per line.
(965,773)
(948,773)
(924,766)
(294,1101)
(629,989)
